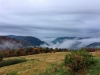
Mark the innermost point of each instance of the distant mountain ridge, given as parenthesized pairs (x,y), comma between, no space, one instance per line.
(9,43)
(61,39)
(33,41)
(78,42)
(95,44)
(12,41)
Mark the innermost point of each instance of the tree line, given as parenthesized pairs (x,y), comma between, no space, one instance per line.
(37,50)
(30,51)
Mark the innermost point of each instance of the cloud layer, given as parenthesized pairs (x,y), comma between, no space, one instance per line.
(50,18)
(73,43)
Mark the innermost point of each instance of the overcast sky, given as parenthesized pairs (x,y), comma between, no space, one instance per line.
(50,18)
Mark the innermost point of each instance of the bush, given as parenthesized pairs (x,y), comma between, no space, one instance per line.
(55,69)
(11,62)
(78,60)
(1,56)
(12,73)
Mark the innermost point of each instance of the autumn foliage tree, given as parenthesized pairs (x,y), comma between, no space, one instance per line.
(30,51)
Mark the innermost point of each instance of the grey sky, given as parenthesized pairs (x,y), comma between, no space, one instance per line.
(50,18)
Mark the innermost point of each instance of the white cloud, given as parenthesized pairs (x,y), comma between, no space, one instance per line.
(74,43)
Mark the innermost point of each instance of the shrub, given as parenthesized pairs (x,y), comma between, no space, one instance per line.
(78,60)
(11,62)
(12,73)
(1,56)
(55,69)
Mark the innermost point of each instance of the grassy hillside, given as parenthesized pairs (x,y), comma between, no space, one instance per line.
(38,63)
(34,65)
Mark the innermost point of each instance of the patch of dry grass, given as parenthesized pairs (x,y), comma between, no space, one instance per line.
(96,54)
(35,63)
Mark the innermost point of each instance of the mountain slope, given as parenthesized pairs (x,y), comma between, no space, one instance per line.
(9,43)
(95,44)
(61,39)
(29,39)
(76,42)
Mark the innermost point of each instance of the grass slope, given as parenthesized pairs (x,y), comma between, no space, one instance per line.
(38,63)
(34,64)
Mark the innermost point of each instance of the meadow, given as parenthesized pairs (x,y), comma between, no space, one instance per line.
(39,63)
